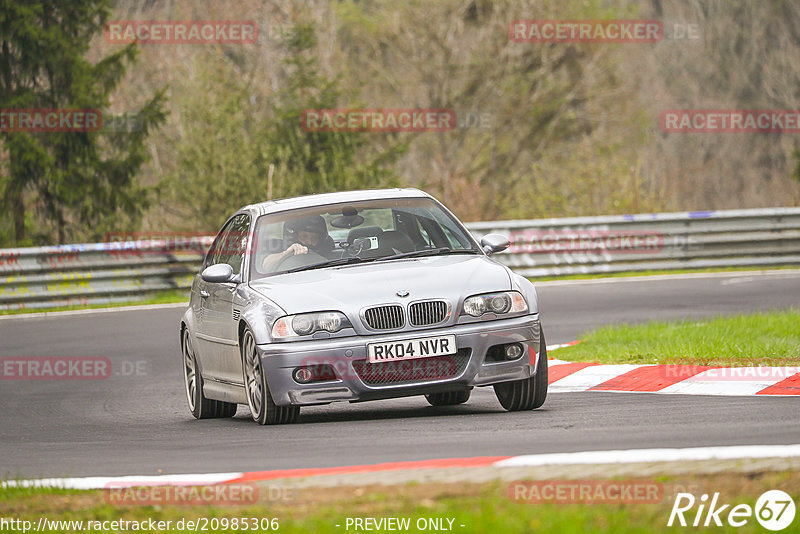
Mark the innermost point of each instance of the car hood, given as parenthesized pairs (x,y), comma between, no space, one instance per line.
(350,288)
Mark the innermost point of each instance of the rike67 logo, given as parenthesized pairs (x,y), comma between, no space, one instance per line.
(774,510)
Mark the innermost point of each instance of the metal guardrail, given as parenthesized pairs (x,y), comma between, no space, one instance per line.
(122,271)
(658,241)
(97,273)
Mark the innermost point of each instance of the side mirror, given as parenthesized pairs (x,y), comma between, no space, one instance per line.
(219,273)
(491,243)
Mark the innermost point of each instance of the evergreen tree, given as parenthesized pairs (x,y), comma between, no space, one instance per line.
(80,183)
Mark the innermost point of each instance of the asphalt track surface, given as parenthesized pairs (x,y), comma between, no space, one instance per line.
(138,423)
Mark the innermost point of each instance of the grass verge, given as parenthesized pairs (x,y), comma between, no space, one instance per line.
(485,507)
(161,297)
(771,339)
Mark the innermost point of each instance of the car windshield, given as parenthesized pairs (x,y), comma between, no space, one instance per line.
(355,232)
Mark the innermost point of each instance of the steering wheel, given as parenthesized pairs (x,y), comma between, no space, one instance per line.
(299,260)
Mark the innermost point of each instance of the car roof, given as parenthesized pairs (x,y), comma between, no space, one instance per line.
(321,199)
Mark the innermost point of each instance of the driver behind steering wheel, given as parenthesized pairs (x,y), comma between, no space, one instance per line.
(309,234)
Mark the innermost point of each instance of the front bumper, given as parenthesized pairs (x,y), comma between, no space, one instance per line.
(279,361)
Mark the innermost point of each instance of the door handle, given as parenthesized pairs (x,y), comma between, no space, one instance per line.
(204,294)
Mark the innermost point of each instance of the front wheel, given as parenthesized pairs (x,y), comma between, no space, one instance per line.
(262,406)
(527,394)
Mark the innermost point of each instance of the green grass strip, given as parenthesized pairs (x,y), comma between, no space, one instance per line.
(771,339)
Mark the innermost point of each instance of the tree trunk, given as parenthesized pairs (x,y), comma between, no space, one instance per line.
(18,210)
(60,218)
(13,202)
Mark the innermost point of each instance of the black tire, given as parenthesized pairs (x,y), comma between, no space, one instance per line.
(527,394)
(199,405)
(259,399)
(448,398)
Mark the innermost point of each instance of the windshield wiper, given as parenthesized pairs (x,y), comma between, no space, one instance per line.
(428,252)
(329,263)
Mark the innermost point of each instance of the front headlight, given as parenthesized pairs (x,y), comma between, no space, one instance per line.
(497,303)
(305,324)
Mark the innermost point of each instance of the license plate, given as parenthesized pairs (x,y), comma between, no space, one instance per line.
(410,349)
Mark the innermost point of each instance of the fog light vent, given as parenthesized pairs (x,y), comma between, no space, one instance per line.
(303,375)
(513,351)
(314,373)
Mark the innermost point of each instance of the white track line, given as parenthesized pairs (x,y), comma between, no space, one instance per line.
(569,458)
(143,307)
(654,455)
(126,481)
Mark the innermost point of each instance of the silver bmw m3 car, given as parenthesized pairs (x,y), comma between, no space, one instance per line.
(356,296)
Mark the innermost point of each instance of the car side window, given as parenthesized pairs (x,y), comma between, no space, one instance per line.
(231,243)
(209,259)
(213,252)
